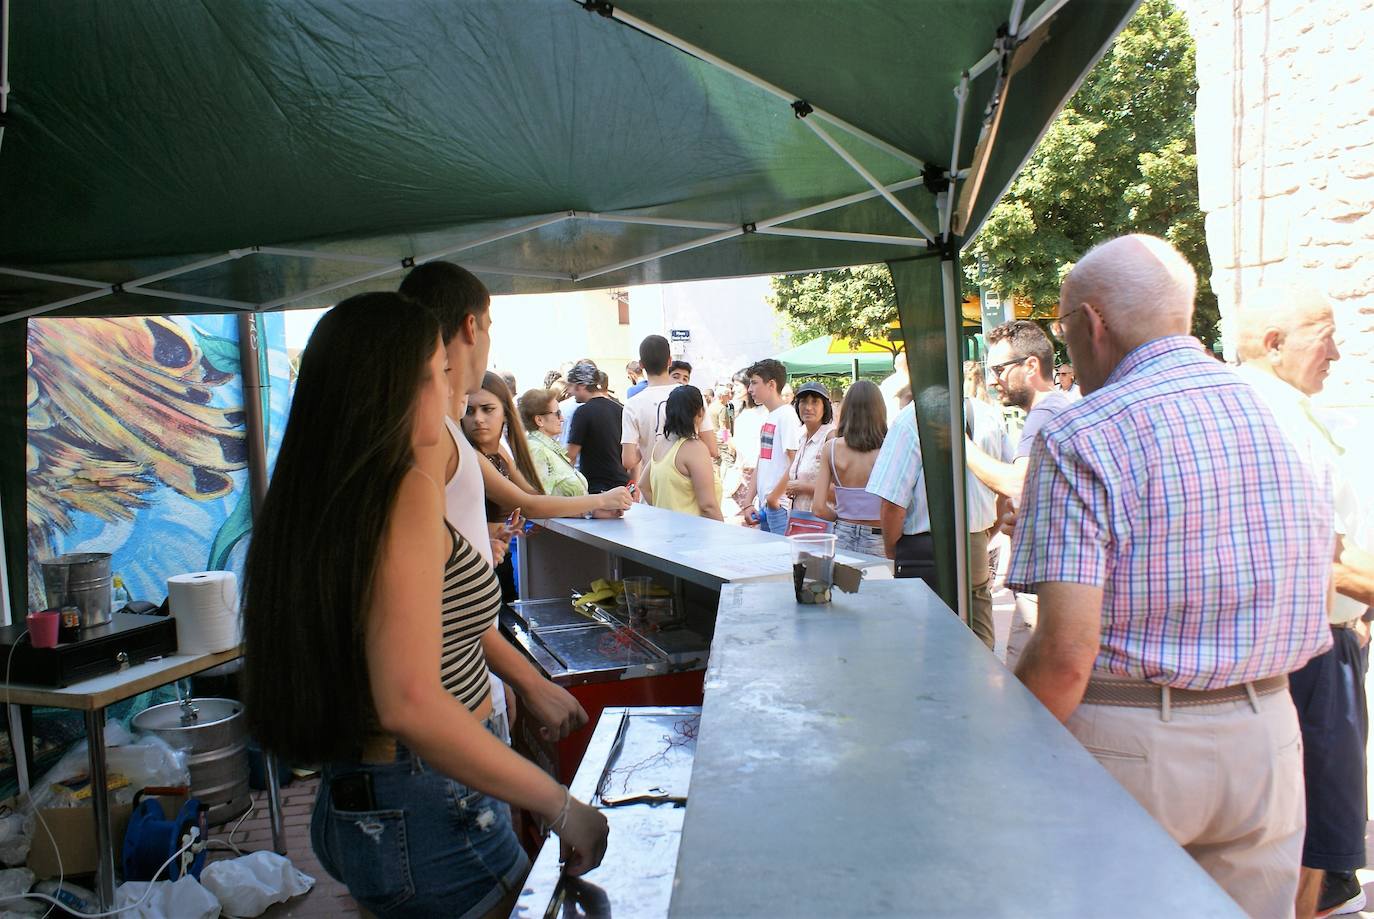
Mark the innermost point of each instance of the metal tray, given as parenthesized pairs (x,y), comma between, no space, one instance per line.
(592,647)
(540,614)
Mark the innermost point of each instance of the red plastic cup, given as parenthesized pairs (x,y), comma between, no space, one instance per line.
(43,628)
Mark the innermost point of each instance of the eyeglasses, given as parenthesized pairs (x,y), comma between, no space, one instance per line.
(557,413)
(1057,326)
(995,370)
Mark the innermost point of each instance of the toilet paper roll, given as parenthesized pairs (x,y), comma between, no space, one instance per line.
(205,605)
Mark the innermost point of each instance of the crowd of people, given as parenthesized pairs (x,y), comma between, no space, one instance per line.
(1190,562)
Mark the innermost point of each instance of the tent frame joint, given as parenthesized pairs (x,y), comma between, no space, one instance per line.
(601,8)
(801,108)
(750,227)
(935,178)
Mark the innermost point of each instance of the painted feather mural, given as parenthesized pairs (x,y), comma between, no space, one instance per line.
(136,443)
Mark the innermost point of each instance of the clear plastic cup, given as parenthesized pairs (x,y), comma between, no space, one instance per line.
(636,600)
(813,566)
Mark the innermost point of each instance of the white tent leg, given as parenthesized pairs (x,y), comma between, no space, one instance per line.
(956,441)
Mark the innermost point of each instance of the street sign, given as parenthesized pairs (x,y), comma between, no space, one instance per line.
(680,334)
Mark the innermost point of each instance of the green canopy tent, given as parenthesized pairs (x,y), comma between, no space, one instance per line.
(253,155)
(817,358)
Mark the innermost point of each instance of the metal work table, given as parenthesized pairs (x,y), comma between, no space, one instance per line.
(697,549)
(92,697)
(872,758)
(635,879)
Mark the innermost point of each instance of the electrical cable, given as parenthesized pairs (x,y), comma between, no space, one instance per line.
(9,664)
(61,876)
(195,833)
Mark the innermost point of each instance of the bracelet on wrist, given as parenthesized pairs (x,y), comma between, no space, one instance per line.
(560,822)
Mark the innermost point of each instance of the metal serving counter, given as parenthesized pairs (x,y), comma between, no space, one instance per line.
(636,770)
(696,549)
(872,758)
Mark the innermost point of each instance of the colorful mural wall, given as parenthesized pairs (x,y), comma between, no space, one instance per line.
(136,443)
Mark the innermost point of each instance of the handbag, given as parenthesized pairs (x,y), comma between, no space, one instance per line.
(800,522)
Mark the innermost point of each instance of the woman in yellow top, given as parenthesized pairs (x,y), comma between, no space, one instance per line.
(681,476)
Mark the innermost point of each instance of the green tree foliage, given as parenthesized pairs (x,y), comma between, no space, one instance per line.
(855,302)
(1121,158)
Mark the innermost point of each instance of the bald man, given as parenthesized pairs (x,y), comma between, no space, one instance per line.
(1180,551)
(1286,345)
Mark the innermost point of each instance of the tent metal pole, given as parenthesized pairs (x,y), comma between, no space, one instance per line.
(189,298)
(323,256)
(702,54)
(654,221)
(403,264)
(1014,20)
(947,209)
(60,304)
(664,253)
(520,272)
(954,360)
(876,238)
(759,227)
(58,278)
(106,289)
(1043,12)
(868,177)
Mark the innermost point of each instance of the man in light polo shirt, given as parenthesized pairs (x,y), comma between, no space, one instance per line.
(899,479)
(1286,345)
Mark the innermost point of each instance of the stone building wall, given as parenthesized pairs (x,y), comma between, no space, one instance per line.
(1285,136)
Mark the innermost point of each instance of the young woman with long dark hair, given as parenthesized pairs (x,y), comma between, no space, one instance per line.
(846,462)
(681,475)
(363,617)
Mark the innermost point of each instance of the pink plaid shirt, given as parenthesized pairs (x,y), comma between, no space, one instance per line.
(1173,489)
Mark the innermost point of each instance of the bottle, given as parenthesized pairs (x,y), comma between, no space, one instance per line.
(119,596)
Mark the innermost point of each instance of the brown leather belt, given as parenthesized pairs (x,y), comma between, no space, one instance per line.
(380,748)
(1142,694)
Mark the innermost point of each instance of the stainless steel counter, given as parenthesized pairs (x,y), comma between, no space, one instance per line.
(636,754)
(872,758)
(696,549)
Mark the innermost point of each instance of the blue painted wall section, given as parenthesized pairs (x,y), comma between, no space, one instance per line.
(136,443)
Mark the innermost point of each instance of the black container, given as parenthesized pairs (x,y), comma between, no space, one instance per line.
(122,642)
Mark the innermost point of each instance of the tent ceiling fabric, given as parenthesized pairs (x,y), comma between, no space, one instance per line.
(145,136)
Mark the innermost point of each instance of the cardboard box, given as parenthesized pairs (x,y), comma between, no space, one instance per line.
(73,829)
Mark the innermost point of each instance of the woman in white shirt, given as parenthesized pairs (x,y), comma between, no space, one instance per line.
(813,407)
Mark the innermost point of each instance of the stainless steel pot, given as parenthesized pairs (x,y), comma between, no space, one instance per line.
(80,579)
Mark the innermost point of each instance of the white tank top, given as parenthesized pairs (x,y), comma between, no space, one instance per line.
(465,495)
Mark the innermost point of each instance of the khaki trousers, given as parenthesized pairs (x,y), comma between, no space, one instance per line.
(980,584)
(1225,781)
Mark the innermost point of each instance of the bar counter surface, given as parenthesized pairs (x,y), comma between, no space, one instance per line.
(871,758)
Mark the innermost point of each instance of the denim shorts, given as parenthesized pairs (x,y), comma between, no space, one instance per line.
(860,537)
(431,847)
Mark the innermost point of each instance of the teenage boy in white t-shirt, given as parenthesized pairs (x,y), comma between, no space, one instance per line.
(641,424)
(779,439)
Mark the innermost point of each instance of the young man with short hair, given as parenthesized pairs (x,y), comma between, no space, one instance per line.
(680,372)
(634,370)
(642,422)
(779,439)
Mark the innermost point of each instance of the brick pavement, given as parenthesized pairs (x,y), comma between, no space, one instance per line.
(328,897)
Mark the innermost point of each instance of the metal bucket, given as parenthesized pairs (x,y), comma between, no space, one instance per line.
(212,733)
(81,579)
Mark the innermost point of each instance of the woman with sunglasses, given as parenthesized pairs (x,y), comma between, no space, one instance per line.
(543,421)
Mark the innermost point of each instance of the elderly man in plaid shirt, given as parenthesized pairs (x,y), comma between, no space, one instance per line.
(1182,554)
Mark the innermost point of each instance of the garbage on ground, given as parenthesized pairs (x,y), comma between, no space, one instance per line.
(183,898)
(247,886)
(16,881)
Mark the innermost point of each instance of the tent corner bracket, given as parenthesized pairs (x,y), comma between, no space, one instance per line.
(801,108)
(935,178)
(600,7)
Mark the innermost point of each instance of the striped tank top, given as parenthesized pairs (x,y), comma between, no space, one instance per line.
(469,605)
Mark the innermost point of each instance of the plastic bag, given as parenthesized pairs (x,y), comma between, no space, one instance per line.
(16,836)
(144,761)
(247,886)
(16,881)
(183,898)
